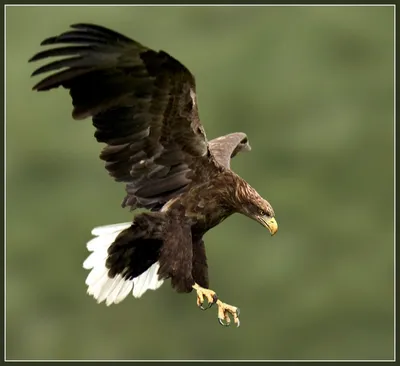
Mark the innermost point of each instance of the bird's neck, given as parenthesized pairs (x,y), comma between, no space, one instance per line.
(239,192)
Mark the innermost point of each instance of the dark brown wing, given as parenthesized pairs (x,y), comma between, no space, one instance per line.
(226,147)
(143,105)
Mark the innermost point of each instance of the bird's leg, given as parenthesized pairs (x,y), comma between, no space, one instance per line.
(223,309)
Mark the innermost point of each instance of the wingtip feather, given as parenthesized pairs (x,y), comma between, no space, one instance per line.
(49,41)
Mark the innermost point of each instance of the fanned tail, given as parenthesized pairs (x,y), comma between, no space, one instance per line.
(121,262)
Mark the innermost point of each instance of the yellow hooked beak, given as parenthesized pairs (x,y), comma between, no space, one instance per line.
(270,224)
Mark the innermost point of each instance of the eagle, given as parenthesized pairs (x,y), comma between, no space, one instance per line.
(143,106)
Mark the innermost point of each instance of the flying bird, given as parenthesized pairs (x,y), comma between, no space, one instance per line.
(144,107)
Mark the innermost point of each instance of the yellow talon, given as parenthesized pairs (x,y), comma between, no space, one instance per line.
(208,294)
(223,314)
(223,309)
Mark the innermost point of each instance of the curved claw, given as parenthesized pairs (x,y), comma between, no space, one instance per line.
(226,322)
(215,299)
(237,320)
(221,321)
(207,307)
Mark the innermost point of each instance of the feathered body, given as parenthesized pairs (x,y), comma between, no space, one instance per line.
(144,108)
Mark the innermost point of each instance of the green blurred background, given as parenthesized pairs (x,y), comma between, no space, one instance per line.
(313,89)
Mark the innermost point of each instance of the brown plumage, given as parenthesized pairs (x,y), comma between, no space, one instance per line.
(144,107)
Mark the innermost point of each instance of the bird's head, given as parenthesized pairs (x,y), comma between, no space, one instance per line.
(257,208)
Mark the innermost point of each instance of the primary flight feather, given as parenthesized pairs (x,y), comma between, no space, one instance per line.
(144,107)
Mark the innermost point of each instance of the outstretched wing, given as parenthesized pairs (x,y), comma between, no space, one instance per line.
(226,147)
(143,105)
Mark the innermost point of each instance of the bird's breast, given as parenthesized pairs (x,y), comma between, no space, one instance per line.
(202,205)
(206,214)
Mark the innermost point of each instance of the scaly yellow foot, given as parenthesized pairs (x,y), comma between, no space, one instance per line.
(223,309)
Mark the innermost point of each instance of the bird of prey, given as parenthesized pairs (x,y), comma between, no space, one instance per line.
(143,105)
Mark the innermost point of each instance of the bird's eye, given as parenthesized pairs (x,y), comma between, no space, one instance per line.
(262,213)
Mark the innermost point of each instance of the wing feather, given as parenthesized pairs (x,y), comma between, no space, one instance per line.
(142,104)
(224,148)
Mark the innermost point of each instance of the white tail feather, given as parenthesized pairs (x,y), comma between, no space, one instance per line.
(114,290)
(147,281)
(110,229)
